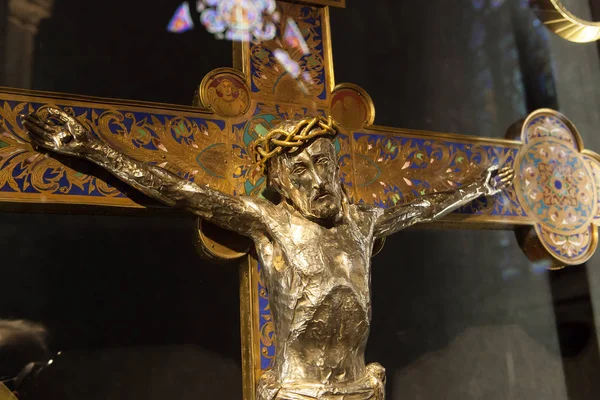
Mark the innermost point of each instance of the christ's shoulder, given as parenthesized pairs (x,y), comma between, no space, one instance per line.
(364,214)
(365,210)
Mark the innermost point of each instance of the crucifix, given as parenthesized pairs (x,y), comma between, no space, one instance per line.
(254,122)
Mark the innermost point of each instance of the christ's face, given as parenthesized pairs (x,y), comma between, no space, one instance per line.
(310,180)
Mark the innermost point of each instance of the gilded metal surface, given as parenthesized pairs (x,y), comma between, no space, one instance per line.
(559,20)
(219,245)
(6,394)
(249,326)
(313,244)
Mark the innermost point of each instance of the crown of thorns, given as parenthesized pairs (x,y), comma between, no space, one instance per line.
(280,140)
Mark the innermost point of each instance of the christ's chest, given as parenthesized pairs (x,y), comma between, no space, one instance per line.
(336,256)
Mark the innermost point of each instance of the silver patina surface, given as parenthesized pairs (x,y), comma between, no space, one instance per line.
(314,245)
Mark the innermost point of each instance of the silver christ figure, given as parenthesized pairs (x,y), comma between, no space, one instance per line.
(314,245)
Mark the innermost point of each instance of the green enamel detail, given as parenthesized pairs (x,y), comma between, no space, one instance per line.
(261,130)
(338,147)
(262,54)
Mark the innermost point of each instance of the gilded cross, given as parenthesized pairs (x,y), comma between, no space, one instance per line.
(553,206)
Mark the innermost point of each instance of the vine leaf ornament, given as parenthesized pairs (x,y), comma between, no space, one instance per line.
(562,22)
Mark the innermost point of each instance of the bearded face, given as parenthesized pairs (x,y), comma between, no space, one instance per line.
(309,180)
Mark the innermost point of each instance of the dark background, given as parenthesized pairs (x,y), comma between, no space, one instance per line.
(456,314)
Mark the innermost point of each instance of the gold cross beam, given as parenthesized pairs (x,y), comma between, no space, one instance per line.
(553,205)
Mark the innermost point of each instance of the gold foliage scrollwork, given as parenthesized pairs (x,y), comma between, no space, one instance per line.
(392,169)
(23,170)
(188,146)
(267,326)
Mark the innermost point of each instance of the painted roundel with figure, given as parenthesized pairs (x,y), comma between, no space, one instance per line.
(225,92)
(352,107)
(556,186)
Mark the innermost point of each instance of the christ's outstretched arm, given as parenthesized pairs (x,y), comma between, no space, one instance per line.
(431,207)
(63,134)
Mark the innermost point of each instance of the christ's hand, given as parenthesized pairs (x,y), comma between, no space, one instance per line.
(59,132)
(495,179)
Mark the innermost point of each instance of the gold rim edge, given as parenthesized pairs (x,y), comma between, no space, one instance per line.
(569,26)
(70,99)
(370,104)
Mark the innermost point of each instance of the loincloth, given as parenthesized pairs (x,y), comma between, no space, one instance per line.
(371,387)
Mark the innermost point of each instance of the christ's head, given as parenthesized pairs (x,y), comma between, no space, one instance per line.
(303,167)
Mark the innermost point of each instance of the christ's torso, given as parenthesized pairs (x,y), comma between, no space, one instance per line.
(319,292)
